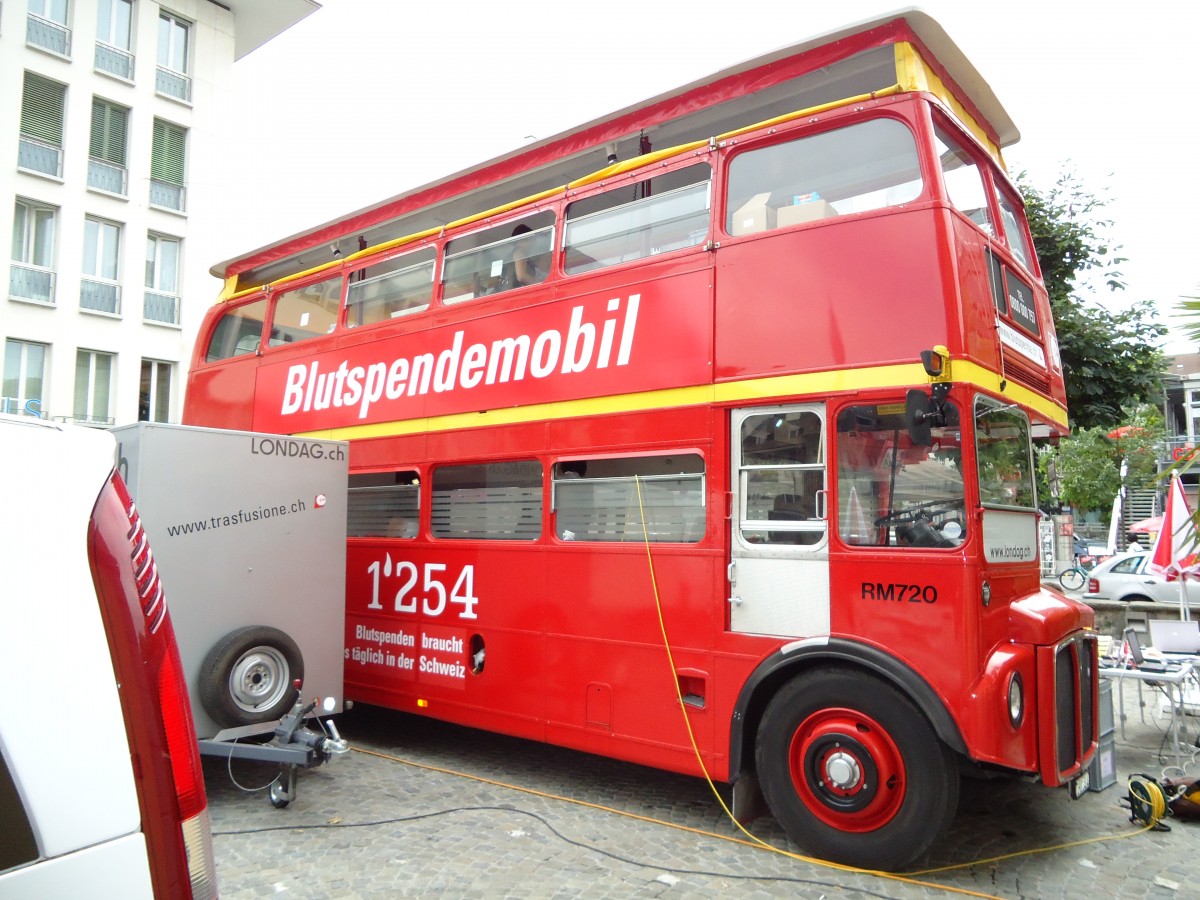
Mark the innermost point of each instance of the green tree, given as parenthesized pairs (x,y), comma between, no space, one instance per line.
(1111,360)
(1089,475)
(1088,461)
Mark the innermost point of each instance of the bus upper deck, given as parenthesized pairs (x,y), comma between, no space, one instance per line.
(906,50)
(883,163)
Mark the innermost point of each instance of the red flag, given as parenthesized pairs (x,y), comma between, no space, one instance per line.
(1177,547)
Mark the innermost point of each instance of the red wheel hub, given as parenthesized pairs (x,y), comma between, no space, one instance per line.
(847,770)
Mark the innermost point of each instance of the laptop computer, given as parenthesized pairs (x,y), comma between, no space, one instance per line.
(1174,636)
(1139,660)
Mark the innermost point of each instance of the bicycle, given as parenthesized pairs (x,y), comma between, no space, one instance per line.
(1074,578)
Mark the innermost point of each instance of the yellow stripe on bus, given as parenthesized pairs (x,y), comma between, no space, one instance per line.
(805,386)
(914,75)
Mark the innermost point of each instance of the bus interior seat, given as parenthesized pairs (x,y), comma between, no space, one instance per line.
(788,508)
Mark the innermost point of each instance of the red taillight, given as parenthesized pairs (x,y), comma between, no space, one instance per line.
(1093,585)
(181,738)
(154,699)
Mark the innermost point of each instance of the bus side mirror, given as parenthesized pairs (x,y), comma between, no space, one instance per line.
(918,413)
(922,411)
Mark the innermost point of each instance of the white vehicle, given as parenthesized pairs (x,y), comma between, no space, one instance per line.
(101,788)
(1128,577)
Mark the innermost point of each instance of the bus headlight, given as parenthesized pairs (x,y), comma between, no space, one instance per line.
(1016,699)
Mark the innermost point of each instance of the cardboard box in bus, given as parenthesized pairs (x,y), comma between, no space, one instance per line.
(799,213)
(249,533)
(753,215)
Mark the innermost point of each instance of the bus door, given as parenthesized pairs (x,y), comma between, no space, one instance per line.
(779,557)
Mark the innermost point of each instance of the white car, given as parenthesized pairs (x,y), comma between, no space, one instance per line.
(1128,578)
(101,788)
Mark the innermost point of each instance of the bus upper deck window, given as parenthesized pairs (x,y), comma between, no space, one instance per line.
(963,180)
(515,254)
(1012,217)
(238,332)
(395,287)
(305,312)
(861,167)
(657,215)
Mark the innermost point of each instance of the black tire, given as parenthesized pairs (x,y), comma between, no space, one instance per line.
(247,677)
(1072,580)
(853,771)
(1136,598)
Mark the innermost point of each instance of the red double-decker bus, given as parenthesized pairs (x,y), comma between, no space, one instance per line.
(700,436)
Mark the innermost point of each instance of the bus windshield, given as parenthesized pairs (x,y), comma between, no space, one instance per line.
(892,493)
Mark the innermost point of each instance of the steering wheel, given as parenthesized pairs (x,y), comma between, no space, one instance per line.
(926,510)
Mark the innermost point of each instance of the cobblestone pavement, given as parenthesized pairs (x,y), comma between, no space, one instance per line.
(414,825)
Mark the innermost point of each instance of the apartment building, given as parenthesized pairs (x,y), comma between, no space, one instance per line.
(111,147)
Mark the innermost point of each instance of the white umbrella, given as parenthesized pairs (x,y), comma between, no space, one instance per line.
(1114,524)
(1177,547)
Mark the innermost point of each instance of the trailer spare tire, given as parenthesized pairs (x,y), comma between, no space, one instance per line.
(247,676)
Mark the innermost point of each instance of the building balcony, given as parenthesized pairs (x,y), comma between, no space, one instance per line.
(38,156)
(114,61)
(166,195)
(170,83)
(104,176)
(89,421)
(31,283)
(100,296)
(158,307)
(47,35)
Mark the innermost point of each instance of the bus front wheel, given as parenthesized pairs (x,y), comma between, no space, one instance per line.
(853,771)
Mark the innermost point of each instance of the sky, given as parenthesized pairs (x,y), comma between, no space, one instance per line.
(366,99)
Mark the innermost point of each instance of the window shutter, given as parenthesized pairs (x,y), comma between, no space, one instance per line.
(42,104)
(108,132)
(167,153)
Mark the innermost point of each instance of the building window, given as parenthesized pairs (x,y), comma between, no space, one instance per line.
(31,276)
(154,392)
(1193,414)
(106,149)
(46,26)
(161,302)
(93,387)
(174,37)
(99,289)
(167,166)
(113,20)
(41,144)
(24,377)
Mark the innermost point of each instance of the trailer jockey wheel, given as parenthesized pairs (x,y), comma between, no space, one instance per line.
(247,676)
(283,788)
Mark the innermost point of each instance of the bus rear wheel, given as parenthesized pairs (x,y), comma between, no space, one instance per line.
(853,770)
